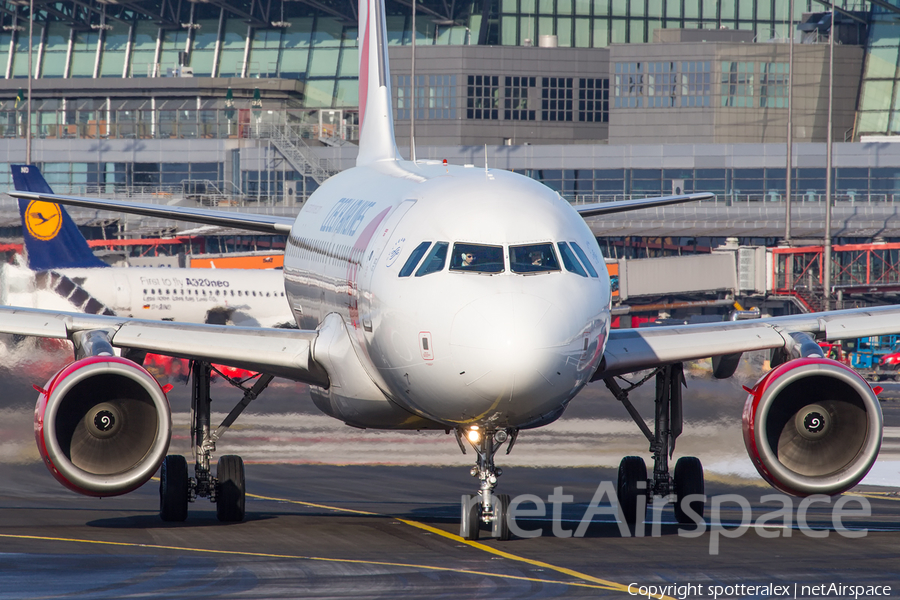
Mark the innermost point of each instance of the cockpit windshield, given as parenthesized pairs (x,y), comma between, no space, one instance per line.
(534,258)
(476,258)
(434,262)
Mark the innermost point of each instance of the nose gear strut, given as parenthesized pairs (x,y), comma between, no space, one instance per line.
(485,507)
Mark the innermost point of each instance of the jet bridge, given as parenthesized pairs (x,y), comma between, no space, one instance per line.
(677,275)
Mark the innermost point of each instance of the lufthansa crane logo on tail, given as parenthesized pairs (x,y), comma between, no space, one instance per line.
(43,219)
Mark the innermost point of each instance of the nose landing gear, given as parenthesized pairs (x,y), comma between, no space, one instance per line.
(485,507)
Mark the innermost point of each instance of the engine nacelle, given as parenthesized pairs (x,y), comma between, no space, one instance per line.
(102,425)
(812,426)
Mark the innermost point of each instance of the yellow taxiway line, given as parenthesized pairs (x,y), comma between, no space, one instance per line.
(294,557)
(592,581)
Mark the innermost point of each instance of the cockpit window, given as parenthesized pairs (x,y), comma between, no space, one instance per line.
(477,258)
(414,259)
(584,259)
(534,258)
(435,260)
(571,263)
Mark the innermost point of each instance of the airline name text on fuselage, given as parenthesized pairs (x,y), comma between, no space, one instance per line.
(346,216)
(187,281)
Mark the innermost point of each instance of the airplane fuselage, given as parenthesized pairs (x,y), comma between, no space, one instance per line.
(504,341)
(241,297)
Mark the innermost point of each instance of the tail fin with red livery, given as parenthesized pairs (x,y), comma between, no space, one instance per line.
(376,123)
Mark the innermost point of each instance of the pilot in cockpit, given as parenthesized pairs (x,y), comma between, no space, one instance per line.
(467,259)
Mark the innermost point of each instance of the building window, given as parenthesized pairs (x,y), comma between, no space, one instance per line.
(441,97)
(593,100)
(404,96)
(661,84)
(629,92)
(737,84)
(515,100)
(483,97)
(556,101)
(696,80)
(773,85)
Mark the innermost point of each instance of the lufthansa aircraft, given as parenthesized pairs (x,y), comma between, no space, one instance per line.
(461,299)
(65,266)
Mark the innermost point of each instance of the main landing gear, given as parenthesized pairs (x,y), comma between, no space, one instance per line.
(485,507)
(635,489)
(227,489)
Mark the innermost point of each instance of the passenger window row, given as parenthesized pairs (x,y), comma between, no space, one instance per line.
(530,259)
(177,292)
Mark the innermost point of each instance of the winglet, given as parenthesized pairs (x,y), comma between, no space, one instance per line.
(52,240)
(376,123)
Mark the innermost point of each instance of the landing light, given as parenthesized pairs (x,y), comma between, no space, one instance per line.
(474,435)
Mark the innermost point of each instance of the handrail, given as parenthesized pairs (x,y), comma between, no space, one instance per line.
(288,140)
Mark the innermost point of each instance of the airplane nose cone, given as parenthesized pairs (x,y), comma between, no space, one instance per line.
(511,352)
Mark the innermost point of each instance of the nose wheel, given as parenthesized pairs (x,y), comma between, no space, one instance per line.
(485,508)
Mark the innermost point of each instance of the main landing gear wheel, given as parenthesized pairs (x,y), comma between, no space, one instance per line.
(470,519)
(500,527)
(230,494)
(631,488)
(688,481)
(173,489)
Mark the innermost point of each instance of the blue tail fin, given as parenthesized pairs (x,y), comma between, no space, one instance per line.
(52,241)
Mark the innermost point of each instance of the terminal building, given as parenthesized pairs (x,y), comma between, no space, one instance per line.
(254,103)
(245,100)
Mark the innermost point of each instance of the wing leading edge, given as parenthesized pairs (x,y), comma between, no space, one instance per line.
(630,350)
(250,222)
(280,352)
(609,208)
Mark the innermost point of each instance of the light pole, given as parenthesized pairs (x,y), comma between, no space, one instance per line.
(412,89)
(790,127)
(829,141)
(30,76)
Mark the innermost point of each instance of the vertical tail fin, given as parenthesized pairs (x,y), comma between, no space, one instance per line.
(52,240)
(376,122)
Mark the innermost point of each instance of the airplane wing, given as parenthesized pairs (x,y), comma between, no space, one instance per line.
(280,352)
(252,222)
(608,208)
(630,350)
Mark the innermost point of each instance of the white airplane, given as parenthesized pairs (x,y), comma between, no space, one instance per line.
(452,298)
(67,272)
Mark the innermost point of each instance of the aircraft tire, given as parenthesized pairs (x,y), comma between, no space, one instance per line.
(173,489)
(688,480)
(231,490)
(501,518)
(632,470)
(470,518)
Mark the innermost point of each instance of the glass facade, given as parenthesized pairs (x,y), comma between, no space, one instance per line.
(318,47)
(879,101)
(863,184)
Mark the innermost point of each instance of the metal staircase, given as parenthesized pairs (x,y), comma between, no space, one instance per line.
(289,142)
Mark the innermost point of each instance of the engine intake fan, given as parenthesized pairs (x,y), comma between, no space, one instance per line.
(812,426)
(103,426)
